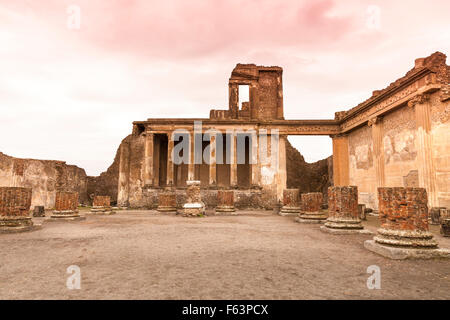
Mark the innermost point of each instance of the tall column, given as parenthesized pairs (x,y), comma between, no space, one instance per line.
(233,158)
(170,169)
(426,169)
(256,169)
(124,172)
(378,150)
(212,161)
(340,160)
(281,161)
(148,159)
(191,165)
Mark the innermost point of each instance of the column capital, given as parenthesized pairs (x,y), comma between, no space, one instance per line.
(374,120)
(419,99)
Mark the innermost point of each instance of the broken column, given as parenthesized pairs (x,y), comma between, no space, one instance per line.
(404,231)
(66,207)
(101,205)
(311,208)
(194,206)
(225,201)
(167,201)
(343,214)
(291,202)
(15,209)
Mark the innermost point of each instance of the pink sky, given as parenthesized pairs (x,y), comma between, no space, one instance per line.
(72,94)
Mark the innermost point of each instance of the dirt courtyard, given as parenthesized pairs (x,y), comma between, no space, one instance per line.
(255,255)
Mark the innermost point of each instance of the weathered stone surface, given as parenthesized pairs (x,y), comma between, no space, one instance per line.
(343,211)
(291,202)
(445,228)
(167,201)
(44,177)
(225,201)
(362,211)
(102,205)
(194,206)
(404,224)
(66,207)
(15,205)
(311,208)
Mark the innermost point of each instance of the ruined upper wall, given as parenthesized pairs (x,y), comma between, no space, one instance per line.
(45,177)
(265,94)
(429,74)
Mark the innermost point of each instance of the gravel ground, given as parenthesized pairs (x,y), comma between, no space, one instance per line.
(255,255)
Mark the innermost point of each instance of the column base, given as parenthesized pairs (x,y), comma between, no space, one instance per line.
(167,209)
(16,224)
(343,224)
(289,211)
(98,210)
(65,215)
(399,253)
(193,209)
(311,217)
(344,231)
(224,209)
(405,238)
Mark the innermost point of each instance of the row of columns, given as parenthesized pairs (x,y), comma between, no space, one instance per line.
(149,161)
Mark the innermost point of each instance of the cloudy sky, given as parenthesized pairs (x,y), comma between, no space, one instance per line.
(69,93)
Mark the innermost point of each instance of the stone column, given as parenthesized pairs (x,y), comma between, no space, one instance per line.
(194,206)
(124,172)
(311,209)
(233,99)
(148,159)
(233,165)
(170,169)
(343,214)
(281,170)
(340,160)
(191,165)
(167,201)
(378,150)
(403,214)
(212,161)
(255,164)
(15,209)
(225,201)
(66,207)
(426,169)
(291,202)
(101,205)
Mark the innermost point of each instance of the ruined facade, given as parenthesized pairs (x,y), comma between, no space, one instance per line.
(44,177)
(398,137)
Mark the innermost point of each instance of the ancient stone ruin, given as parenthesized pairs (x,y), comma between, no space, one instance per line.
(15,205)
(167,201)
(102,205)
(343,213)
(194,207)
(404,229)
(66,207)
(291,202)
(311,208)
(225,201)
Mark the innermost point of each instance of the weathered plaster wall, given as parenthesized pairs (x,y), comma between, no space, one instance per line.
(440,132)
(45,177)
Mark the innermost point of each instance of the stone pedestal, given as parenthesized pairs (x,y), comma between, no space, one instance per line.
(225,201)
(343,214)
(194,207)
(15,210)
(291,202)
(167,201)
(404,225)
(66,207)
(435,215)
(311,208)
(102,205)
(445,228)
(39,211)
